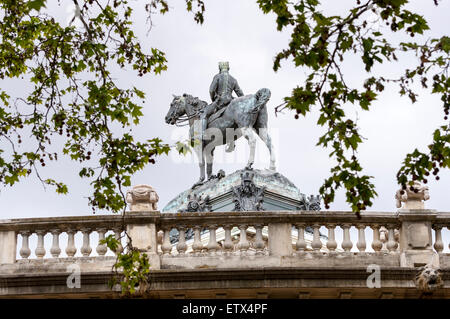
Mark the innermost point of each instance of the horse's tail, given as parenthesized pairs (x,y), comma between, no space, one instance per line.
(262,96)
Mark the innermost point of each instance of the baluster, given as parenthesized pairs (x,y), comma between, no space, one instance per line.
(181,246)
(438,244)
(228,243)
(197,246)
(391,244)
(301,242)
(448,228)
(331,243)
(71,249)
(25,251)
(212,244)
(347,244)
(316,243)
(166,247)
(40,250)
(101,248)
(117,235)
(55,250)
(243,244)
(361,244)
(376,243)
(86,248)
(259,242)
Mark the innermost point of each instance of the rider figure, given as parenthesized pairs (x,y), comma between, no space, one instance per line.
(221,90)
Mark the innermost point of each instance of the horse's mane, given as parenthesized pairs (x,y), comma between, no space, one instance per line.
(195,102)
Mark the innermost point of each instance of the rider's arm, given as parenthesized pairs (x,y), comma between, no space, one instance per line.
(237,89)
(213,88)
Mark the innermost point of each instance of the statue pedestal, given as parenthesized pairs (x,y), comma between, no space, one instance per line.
(279,194)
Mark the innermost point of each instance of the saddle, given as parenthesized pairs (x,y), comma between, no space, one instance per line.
(217,114)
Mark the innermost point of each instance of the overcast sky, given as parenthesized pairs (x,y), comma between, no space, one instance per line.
(238,32)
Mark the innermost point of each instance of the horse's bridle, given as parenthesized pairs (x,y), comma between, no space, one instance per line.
(182,119)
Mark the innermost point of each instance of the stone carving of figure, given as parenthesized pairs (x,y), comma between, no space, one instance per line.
(198,204)
(428,278)
(314,202)
(142,197)
(220,90)
(384,237)
(248,196)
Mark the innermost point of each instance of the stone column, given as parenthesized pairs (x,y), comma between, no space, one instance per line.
(144,238)
(8,244)
(416,237)
(143,200)
(416,229)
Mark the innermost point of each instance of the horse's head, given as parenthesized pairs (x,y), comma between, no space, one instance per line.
(177,109)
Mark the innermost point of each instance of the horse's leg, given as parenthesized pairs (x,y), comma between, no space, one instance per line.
(201,164)
(249,134)
(209,163)
(265,137)
(261,128)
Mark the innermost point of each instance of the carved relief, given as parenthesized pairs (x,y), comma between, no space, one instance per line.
(197,204)
(248,196)
(313,203)
(428,278)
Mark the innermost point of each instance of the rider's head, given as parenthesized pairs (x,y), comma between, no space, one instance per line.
(224,66)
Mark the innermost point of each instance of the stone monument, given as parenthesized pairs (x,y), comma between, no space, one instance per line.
(247,189)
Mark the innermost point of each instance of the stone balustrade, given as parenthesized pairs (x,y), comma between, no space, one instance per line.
(186,249)
(15,235)
(281,226)
(234,235)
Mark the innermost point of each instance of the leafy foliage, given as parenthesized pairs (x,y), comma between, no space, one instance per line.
(321,44)
(131,269)
(74,96)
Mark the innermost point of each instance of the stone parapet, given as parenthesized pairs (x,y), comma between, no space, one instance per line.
(222,241)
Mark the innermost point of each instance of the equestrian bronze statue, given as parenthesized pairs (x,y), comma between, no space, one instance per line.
(223,121)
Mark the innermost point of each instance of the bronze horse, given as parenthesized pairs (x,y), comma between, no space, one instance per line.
(244,116)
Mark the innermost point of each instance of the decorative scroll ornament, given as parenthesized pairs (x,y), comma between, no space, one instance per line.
(413,196)
(313,203)
(142,198)
(197,204)
(248,196)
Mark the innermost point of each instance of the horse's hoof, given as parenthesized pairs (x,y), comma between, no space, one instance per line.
(197,184)
(272,168)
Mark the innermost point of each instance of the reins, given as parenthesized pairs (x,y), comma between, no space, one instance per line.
(181,121)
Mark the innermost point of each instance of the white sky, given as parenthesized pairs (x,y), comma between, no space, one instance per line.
(237,31)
